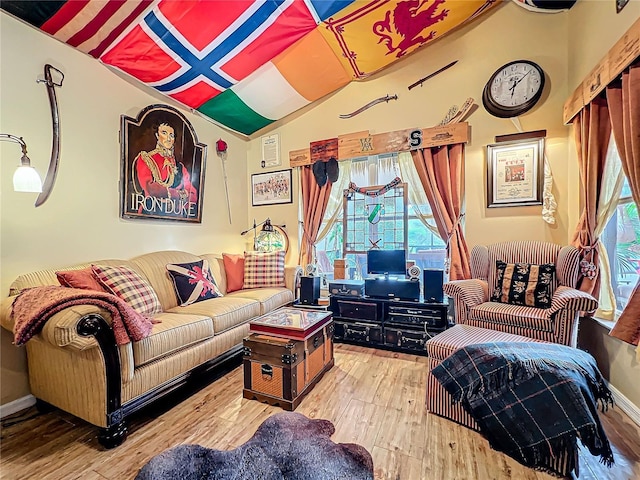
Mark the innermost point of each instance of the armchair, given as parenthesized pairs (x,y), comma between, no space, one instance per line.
(557,324)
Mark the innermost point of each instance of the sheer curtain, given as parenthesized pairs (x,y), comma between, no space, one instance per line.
(417,196)
(613,178)
(334,205)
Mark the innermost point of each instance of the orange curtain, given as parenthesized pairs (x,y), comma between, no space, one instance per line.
(592,131)
(441,172)
(624,108)
(314,204)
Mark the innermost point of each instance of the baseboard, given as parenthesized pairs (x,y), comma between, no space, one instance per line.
(17,405)
(625,405)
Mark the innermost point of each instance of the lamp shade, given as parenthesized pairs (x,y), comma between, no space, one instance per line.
(27,179)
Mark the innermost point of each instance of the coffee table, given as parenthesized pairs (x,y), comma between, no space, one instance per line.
(286,354)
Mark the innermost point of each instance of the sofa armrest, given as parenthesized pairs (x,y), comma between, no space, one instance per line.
(470,292)
(572,300)
(291,277)
(61,330)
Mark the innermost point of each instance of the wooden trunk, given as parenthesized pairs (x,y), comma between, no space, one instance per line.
(281,371)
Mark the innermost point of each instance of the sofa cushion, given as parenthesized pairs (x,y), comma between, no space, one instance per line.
(524,284)
(264,269)
(225,312)
(153,266)
(83,278)
(130,287)
(174,332)
(269,298)
(529,318)
(234,270)
(193,282)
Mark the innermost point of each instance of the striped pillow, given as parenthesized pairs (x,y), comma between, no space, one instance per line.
(264,269)
(523,284)
(130,287)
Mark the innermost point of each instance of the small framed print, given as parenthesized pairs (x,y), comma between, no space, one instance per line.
(271,188)
(515,173)
(270,145)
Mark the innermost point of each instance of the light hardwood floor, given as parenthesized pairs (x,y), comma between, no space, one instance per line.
(374,398)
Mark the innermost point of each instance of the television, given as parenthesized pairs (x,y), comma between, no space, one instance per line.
(386,262)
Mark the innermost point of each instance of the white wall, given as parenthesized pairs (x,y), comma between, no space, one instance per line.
(80,221)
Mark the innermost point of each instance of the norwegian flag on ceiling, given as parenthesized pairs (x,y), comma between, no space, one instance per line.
(192,51)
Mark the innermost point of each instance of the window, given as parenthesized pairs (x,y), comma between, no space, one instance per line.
(424,246)
(621,238)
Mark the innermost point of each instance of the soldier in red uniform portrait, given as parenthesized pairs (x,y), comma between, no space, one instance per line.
(162,166)
(158,172)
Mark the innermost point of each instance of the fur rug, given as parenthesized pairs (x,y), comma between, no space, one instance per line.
(287,446)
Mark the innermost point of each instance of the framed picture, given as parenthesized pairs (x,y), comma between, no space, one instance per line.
(271,188)
(163,166)
(515,173)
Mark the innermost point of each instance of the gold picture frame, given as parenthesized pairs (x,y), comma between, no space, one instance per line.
(515,173)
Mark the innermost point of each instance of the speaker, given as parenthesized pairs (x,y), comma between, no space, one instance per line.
(388,288)
(309,290)
(414,272)
(432,285)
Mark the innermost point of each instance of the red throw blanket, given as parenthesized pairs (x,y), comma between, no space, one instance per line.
(34,306)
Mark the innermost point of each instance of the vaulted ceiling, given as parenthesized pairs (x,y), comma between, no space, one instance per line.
(245,63)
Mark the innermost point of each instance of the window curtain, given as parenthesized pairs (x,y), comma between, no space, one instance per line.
(624,107)
(441,172)
(612,180)
(314,206)
(417,197)
(592,130)
(334,205)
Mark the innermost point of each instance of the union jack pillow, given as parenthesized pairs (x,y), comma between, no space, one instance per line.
(130,287)
(193,282)
(264,269)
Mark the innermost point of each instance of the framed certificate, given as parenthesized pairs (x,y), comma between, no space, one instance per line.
(515,173)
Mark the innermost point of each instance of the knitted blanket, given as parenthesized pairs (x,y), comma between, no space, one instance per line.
(34,306)
(531,400)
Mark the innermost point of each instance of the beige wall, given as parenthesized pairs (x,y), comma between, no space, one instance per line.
(80,221)
(616,359)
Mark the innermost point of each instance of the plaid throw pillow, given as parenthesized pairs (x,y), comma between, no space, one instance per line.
(264,269)
(524,284)
(130,287)
(193,282)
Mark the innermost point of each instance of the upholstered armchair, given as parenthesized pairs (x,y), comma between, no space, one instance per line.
(556,322)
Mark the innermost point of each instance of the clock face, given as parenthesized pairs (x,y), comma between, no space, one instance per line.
(513,89)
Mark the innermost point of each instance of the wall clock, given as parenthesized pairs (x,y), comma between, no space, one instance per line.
(513,89)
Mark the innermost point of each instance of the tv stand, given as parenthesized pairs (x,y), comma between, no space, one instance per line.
(387,323)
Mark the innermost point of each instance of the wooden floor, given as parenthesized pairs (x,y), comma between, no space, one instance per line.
(374,397)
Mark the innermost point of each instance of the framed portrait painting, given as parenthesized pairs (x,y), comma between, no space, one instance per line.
(271,188)
(515,172)
(163,166)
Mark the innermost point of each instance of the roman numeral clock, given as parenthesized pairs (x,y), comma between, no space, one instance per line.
(513,89)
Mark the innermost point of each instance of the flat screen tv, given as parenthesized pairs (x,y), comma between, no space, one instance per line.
(386,262)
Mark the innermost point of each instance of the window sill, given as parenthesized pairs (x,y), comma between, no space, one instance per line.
(608,324)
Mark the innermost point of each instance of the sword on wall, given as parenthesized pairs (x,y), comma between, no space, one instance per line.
(52,171)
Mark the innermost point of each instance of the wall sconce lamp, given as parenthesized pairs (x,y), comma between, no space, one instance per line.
(271,237)
(26,178)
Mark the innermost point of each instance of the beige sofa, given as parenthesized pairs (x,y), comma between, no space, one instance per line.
(75,364)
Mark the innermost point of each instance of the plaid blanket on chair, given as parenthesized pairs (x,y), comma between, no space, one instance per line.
(532,400)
